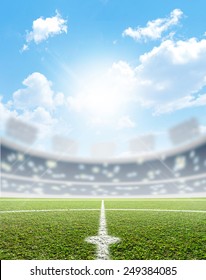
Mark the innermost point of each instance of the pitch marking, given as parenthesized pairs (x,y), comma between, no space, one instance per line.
(158,210)
(103,240)
(109,209)
(47,210)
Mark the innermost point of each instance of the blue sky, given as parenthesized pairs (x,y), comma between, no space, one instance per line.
(103,70)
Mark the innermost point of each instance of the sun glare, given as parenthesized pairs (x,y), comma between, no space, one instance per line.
(102,101)
(100,96)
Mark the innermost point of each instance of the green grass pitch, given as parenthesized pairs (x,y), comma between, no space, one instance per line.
(145,232)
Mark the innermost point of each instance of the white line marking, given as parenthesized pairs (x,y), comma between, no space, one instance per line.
(46,210)
(159,210)
(109,209)
(103,240)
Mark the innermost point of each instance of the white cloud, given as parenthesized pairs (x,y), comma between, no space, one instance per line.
(155,28)
(203,129)
(39,116)
(24,48)
(38,104)
(185,102)
(125,122)
(59,99)
(42,29)
(38,92)
(5,113)
(120,71)
(177,53)
(172,75)
(44,120)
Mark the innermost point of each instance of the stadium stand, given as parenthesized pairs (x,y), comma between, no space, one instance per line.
(185,131)
(179,171)
(21,131)
(64,145)
(103,149)
(142,143)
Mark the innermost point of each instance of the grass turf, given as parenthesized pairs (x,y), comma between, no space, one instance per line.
(61,235)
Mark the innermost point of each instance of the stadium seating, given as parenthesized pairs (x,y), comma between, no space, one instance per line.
(178,171)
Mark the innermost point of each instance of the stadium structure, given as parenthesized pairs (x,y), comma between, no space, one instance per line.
(178,172)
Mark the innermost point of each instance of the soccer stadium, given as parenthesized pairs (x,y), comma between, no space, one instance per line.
(179,171)
(148,206)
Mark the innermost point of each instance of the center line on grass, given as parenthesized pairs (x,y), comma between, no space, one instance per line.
(102,240)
